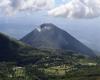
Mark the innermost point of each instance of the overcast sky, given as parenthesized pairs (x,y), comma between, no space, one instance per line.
(78,17)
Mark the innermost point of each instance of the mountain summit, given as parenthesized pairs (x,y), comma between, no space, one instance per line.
(49,36)
(45,27)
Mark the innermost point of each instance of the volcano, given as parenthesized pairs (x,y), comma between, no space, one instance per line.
(49,36)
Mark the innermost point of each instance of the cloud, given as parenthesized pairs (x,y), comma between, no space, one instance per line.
(78,9)
(13,6)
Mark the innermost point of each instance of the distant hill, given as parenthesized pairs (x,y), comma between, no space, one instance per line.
(49,36)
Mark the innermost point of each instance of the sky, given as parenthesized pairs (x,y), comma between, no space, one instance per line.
(80,18)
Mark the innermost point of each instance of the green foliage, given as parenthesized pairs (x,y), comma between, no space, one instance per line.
(51,67)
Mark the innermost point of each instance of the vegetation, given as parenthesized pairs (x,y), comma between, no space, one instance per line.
(19,61)
(52,68)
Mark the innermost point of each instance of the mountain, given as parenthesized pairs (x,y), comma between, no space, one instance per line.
(12,50)
(49,36)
